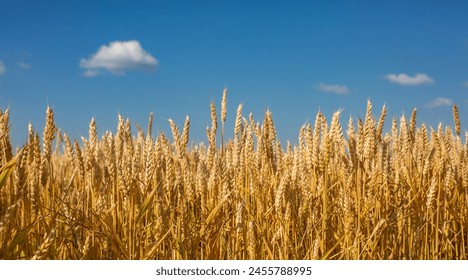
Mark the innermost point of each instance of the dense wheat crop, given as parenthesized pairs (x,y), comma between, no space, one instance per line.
(359,194)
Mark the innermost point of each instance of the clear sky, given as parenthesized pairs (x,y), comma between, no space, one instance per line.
(99,58)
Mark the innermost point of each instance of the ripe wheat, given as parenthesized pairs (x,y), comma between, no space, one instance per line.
(365,194)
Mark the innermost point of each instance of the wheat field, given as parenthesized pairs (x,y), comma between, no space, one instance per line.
(356,194)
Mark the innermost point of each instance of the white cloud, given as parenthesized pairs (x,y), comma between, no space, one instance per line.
(119,57)
(333,88)
(91,73)
(439,102)
(24,65)
(465,84)
(2,68)
(405,80)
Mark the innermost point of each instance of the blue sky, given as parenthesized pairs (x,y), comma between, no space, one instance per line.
(100,58)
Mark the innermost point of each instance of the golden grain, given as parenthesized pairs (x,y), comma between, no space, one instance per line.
(364,195)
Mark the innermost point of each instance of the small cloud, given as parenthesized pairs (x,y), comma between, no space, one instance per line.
(337,89)
(439,102)
(405,80)
(119,57)
(24,65)
(91,73)
(465,84)
(2,68)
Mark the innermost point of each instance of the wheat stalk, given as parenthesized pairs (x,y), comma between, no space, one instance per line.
(456,119)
